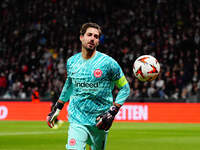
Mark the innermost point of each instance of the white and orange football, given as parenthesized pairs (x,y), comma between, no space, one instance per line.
(146,68)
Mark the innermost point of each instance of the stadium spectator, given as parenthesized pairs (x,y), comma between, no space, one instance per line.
(35,95)
(3,83)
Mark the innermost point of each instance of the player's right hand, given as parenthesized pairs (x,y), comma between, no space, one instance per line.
(54,114)
(51,118)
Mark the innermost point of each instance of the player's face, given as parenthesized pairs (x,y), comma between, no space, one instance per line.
(90,40)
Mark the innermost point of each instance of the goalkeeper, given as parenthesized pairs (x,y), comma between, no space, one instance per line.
(91,78)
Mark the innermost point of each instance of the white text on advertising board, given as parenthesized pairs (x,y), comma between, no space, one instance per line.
(133,112)
(3,112)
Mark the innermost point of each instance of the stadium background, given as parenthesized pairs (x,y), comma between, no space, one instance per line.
(36,38)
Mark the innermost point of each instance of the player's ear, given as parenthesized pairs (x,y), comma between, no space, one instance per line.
(81,37)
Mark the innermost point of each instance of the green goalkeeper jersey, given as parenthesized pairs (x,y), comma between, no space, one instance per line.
(89,87)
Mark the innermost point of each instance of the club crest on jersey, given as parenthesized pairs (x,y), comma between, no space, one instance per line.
(98,73)
(72,142)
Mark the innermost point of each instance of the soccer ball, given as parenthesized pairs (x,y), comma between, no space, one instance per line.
(146,68)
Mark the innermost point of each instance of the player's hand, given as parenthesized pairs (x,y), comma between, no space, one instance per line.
(54,114)
(52,117)
(105,120)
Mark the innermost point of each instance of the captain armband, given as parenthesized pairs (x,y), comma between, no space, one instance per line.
(121,82)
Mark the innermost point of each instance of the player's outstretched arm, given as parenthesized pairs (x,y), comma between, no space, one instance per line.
(64,97)
(54,113)
(104,121)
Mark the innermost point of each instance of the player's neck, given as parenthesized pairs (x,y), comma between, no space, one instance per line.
(88,54)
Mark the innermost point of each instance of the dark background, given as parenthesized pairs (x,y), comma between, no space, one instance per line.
(37,37)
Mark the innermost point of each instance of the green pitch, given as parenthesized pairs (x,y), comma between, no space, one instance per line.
(21,135)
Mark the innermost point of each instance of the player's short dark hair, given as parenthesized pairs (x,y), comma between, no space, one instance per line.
(85,26)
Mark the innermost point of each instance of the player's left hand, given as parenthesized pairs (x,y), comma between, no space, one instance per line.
(105,120)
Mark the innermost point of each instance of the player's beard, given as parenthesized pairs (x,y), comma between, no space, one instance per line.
(90,49)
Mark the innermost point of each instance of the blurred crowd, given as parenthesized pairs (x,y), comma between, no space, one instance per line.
(37,37)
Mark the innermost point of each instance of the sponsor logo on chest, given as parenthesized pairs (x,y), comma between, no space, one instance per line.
(86,84)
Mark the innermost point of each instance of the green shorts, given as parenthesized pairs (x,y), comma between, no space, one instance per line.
(80,135)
